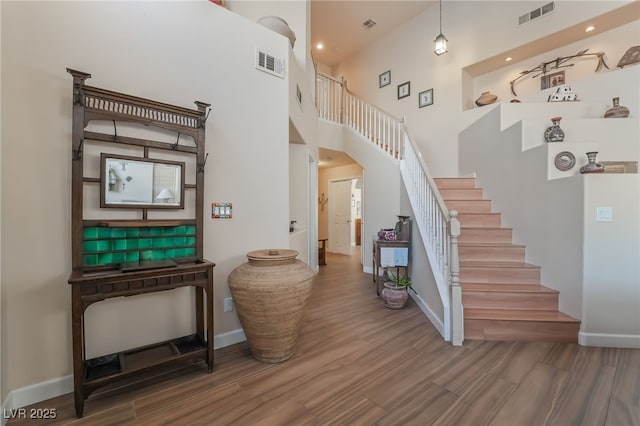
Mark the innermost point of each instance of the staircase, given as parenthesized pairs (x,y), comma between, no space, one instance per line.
(501,293)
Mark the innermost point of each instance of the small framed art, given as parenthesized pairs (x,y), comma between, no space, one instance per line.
(552,80)
(425,98)
(384,79)
(404,90)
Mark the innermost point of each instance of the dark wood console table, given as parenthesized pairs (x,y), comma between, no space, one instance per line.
(379,262)
(88,375)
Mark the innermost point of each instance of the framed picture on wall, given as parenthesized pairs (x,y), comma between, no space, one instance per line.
(552,80)
(384,79)
(425,98)
(404,90)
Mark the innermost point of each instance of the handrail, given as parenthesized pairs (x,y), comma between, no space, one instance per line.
(432,182)
(438,227)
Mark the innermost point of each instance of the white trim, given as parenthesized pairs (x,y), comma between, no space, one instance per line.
(367,270)
(37,392)
(42,391)
(229,338)
(630,341)
(429,313)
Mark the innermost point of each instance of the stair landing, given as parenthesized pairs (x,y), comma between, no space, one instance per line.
(502,295)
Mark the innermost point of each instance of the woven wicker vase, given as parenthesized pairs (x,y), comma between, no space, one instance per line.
(271,292)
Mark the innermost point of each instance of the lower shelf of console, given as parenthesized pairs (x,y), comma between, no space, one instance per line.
(106,369)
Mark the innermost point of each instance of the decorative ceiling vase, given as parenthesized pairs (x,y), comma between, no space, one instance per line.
(617,110)
(554,133)
(592,166)
(271,291)
(279,25)
(486,98)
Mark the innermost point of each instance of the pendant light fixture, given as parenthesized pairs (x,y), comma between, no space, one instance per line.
(441,40)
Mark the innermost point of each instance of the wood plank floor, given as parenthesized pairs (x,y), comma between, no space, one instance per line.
(358,363)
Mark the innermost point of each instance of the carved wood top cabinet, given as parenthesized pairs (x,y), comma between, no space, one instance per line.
(137,220)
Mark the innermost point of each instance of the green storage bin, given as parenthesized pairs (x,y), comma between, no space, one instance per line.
(180,230)
(90,233)
(180,241)
(157,254)
(144,232)
(191,230)
(132,256)
(144,243)
(159,243)
(191,241)
(105,258)
(146,255)
(118,257)
(156,232)
(118,232)
(169,230)
(170,253)
(96,245)
(190,252)
(90,259)
(119,244)
(133,232)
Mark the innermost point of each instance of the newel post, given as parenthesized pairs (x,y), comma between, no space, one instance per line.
(457,317)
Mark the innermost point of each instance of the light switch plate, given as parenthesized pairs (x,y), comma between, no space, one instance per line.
(604,214)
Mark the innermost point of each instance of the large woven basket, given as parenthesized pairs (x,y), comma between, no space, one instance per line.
(271,292)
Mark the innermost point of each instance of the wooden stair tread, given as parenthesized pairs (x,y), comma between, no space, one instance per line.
(476,244)
(487,228)
(510,288)
(496,264)
(517,315)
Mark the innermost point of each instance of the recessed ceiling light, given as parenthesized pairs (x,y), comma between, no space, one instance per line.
(589,29)
(319,46)
(508,59)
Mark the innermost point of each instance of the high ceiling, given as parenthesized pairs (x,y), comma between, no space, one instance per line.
(338,25)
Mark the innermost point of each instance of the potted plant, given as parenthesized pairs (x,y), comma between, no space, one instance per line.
(395,291)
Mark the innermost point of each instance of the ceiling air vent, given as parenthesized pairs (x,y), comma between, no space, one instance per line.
(536,13)
(269,64)
(369,23)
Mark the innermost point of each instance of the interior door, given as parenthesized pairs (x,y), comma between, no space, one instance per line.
(340,217)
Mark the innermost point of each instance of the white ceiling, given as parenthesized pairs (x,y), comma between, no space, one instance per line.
(338,24)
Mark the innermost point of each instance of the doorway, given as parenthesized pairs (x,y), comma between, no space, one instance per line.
(345,215)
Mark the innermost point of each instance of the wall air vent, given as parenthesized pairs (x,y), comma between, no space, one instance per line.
(269,64)
(369,23)
(536,13)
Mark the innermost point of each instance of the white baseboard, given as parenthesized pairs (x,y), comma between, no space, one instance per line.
(37,392)
(368,270)
(437,323)
(229,338)
(629,341)
(42,391)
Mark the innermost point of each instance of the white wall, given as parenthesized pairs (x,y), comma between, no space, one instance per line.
(613,43)
(298,200)
(165,51)
(611,309)
(593,265)
(408,53)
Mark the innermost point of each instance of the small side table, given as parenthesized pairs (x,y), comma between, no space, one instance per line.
(379,262)
(321,252)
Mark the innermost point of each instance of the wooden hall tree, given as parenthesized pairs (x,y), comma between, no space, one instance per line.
(146,232)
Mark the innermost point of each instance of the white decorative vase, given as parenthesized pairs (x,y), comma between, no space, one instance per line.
(278,25)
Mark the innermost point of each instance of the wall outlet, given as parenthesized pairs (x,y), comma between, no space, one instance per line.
(228,304)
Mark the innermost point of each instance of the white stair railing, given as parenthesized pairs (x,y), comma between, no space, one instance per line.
(381,128)
(438,227)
